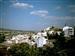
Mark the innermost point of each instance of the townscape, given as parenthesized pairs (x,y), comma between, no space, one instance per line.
(41,38)
(46,37)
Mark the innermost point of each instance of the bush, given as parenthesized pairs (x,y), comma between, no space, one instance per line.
(27,50)
(2,38)
(22,50)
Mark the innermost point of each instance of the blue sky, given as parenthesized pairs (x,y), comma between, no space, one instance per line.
(36,14)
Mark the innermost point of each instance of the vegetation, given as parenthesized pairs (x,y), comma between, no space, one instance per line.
(22,50)
(27,50)
(61,48)
(2,38)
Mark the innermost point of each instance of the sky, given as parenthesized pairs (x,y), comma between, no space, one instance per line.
(36,15)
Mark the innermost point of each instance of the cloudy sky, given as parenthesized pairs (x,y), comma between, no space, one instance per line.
(36,14)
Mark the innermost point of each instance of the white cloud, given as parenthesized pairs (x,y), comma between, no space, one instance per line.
(41,13)
(60,17)
(58,7)
(44,14)
(22,5)
(72,8)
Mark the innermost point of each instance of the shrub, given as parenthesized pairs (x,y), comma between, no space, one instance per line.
(2,38)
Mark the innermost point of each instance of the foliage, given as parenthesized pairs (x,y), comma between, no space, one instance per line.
(2,38)
(61,48)
(22,50)
(27,50)
(60,41)
(74,31)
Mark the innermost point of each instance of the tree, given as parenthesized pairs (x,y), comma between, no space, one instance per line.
(60,41)
(2,38)
(25,49)
(22,49)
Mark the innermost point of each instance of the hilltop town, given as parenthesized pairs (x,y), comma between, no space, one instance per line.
(46,37)
(18,36)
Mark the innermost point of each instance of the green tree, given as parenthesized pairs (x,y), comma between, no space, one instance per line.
(22,49)
(2,38)
(60,41)
(74,31)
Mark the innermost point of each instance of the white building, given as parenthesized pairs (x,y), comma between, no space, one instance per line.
(68,31)
(20,39)
(41,40)
(47,29)
(34,36)
(44,34)
(39,34)
(51,32)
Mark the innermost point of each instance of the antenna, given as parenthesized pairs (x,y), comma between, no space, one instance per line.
(65,25)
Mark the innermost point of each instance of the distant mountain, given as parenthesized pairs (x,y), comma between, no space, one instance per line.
(3,29)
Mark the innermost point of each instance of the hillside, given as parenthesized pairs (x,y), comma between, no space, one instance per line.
(13,32)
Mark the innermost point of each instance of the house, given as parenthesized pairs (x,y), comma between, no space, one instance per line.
(68,31)
(47,29)
(41,41)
